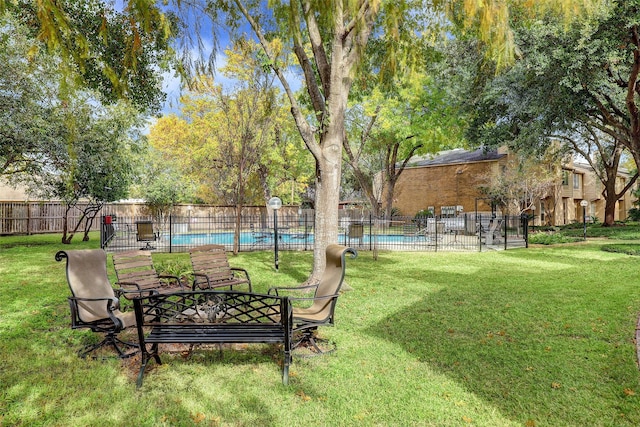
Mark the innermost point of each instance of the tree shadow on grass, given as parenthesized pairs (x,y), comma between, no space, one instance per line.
(535,356)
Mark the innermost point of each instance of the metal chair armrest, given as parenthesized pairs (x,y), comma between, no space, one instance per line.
(277,289)
(313,298)
(241,270)
(172,278)
(196,276)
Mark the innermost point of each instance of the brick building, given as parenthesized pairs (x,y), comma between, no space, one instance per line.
(448,184)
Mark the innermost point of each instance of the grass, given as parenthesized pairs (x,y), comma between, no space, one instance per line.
(529,337)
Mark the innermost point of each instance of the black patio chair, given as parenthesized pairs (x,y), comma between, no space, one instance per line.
(321,311)
(94,304)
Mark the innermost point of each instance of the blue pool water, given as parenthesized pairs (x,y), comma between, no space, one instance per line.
(250,239)
(245,239)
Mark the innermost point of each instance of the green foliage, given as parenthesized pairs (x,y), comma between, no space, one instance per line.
(491,21)
(424,213)
(161,186)
(92,157)
(237,145)
(574,232)
(180,268)
(551,238)
(27,100)
(634,214)
(628,249)
(119,54)
(569,79)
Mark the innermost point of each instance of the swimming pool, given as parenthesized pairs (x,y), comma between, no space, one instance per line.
(252,239)
(226,238)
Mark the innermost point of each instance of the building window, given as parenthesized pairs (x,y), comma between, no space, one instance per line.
(576,180)
(448,211)
(565,177)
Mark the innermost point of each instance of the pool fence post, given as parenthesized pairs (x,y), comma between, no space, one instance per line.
(370,231)
(170,232)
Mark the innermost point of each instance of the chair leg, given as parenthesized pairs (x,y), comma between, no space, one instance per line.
(316,346)
(147,247)
(112,340)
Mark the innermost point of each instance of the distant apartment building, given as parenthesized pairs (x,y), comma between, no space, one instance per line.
(449,184)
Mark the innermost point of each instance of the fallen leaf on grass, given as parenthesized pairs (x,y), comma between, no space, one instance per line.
(629,392)
(555,385)
(467,419)
(198,418)
(303,396)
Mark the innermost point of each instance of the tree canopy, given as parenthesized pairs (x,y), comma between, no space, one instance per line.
(576,84)
(27,101)
(111,52)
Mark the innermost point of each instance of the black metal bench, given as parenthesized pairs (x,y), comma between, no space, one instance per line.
(212,317)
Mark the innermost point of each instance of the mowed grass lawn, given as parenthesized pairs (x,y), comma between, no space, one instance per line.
(529,337)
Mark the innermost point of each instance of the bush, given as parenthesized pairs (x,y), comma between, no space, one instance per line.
(551,239)
(629,249)
(634,214)
(424,213)
(179,268)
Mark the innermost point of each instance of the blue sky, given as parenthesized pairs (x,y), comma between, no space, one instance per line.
(172,85)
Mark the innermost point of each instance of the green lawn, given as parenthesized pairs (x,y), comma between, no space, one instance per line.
(528,337)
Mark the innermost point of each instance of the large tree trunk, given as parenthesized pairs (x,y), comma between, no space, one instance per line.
(328,78)
(609,211)
(327,200)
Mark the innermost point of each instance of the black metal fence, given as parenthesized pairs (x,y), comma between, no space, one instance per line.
(467,232)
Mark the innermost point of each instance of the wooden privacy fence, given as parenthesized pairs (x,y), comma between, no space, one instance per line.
(37,217)
(48,217)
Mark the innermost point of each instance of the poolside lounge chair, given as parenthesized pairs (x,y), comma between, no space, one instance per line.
(260,236)
(410,230)
(304,236)
(321,312)
(136,273)
(93,303)
(494,233)
(145,233)
(211,269)
(356,232)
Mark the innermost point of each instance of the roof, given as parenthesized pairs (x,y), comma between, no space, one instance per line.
(459,155)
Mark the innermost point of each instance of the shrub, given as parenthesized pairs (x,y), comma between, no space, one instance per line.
(178,268)
(424,213)
(551,239)
(629,249)
(634,214)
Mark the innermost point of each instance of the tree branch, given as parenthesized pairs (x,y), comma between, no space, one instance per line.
(631,89)
(303,126)
(324,68)
(317,99)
